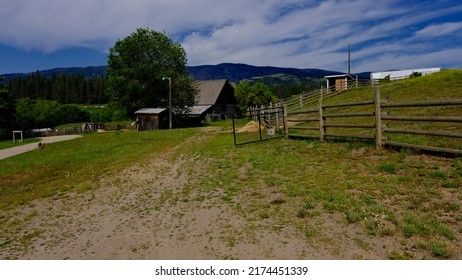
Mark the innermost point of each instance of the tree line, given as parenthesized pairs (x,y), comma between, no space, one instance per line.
(138,68)
(65,89)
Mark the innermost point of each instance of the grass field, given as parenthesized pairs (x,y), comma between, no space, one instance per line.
(446,85)
(343,197)
(9,143)
(64,166)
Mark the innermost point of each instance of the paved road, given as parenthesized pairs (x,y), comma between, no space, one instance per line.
(5,153)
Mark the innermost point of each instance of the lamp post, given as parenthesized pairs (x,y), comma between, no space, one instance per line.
(169,101)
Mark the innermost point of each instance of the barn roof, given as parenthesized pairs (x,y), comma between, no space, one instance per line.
(209,91)
(150,111)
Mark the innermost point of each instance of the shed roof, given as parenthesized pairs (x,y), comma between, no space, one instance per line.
(150,111)
(199,109)
(209,91)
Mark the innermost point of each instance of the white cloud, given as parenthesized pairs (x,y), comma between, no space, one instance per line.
(292,33)
(436,30)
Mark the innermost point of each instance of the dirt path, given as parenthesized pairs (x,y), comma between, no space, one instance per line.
(147,211)
(5,153)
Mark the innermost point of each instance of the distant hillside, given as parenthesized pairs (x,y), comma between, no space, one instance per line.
(230,71)
(237,72)
(88,72)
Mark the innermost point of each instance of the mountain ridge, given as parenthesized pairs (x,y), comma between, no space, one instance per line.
(234,72)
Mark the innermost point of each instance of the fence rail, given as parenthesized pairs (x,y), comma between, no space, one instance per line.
(300,101)
(377,129)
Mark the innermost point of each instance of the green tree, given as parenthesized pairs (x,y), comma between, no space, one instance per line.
(69,113)
(25,118)
(250,95)
(42,113)
(7,108)
(136,68)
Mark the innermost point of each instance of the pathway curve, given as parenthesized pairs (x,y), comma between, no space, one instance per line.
(5,153)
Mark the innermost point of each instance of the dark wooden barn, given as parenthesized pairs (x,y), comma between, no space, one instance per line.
(215,101)
(219,95)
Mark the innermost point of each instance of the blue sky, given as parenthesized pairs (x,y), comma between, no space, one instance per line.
(384,35)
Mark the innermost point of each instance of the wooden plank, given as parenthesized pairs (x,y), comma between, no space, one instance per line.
(422,119)
(421,147)
(424,132)
(424,103)
(349,125)
(304,128)
(304,120)
(378,118)
(350,104)
(303,112)
(349,136)
(303,136)
(347,115)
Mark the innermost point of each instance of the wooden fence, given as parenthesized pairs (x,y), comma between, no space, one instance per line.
(299,101)
(373,124)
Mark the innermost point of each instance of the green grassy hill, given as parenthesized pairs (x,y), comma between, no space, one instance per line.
(446,85)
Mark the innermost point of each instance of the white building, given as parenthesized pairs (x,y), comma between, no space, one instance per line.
(402,74)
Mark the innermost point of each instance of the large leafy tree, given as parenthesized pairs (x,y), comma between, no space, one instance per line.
(137,68)
(256,94)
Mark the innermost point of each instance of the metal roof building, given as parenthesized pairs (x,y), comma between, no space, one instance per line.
(402,74)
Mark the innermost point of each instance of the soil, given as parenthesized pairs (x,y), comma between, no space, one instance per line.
(150,211)
(134,215)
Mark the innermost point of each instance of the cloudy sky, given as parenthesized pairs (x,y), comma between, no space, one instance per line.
(384,35)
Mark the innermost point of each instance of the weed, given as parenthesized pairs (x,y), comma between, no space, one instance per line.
(264,215)
(363,244)
(388,168)
(230,241)
(425,226)
(398,256)
(440,250)
(437,175)
(309,232)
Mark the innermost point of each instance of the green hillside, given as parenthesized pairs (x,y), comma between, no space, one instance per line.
(445,85)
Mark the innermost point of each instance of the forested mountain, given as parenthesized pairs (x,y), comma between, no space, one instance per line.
(230,71)
(64,88)
(88,85)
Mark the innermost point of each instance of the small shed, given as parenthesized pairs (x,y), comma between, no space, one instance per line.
(151,119)
(338,82)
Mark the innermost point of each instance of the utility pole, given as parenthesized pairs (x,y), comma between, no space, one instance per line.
(349,59)
(169,101)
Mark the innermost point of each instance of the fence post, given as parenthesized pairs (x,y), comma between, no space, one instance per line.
(378,118)
(286,125)
(277,118)
(322,129)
